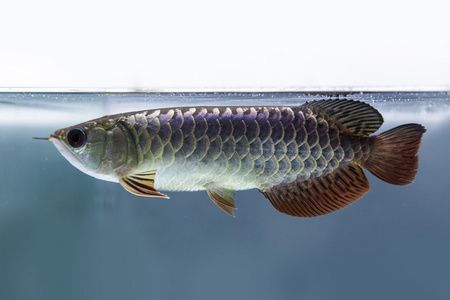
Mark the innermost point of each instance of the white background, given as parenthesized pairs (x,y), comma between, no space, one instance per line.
(227,44)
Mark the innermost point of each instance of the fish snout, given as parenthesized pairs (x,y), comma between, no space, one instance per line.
(59,134)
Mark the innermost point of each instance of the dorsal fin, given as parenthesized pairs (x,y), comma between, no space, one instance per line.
(321,195)
(355,117)
(223,198)
(141,184)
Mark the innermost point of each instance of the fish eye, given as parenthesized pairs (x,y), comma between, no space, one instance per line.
(76,137)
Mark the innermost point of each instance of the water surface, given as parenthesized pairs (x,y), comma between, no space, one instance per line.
(65,235)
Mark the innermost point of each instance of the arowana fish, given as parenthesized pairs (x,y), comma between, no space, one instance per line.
(307,160)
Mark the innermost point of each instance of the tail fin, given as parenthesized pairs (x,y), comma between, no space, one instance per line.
(394,154)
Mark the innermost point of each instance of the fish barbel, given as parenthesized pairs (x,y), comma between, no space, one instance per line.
(307,160)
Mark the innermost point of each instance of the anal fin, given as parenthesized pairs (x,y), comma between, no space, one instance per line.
(223,198)
(141,184)
(321,195)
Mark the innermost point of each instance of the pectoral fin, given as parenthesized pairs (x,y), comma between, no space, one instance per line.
(320,196)
(223,198)
(141,184)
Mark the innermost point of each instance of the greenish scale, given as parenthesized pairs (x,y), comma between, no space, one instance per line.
(236,147)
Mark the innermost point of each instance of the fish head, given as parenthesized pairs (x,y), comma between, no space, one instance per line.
(98,148)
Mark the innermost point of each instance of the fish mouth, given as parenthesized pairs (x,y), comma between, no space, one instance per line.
(65,150)
(57,139)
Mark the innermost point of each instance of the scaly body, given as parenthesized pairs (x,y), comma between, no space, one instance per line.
(235,147)
(306,159)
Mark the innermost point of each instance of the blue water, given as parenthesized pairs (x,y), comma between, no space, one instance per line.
(65,235)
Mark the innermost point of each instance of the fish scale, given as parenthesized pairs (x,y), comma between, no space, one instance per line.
(258,146)
(306,160)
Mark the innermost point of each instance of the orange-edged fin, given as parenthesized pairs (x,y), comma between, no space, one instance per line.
(223,198)
(141,184)
(321,195)
(355,117)
(393,157)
